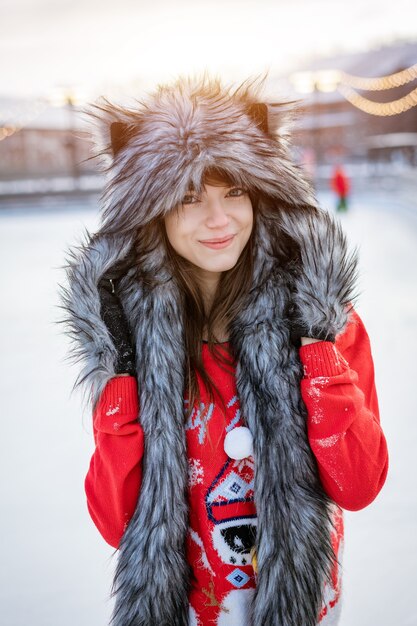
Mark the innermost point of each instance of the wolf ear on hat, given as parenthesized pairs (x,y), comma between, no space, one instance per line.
(276,118)
(259,113)
(119,136)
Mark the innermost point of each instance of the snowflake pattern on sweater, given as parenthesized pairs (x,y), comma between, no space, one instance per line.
(223,515)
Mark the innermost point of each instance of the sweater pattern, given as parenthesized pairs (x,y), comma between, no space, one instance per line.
(223,516)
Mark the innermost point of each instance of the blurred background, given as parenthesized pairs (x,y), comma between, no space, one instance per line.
(353,66)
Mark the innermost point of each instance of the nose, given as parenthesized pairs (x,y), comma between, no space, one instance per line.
(217,216)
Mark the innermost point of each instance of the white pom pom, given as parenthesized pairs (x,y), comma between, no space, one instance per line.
(238,443)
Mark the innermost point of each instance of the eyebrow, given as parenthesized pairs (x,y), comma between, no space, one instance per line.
(192,190)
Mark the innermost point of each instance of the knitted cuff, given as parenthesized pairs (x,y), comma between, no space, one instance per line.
(118,399)
(322,359)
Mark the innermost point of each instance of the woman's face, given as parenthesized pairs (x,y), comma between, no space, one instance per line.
(219,213)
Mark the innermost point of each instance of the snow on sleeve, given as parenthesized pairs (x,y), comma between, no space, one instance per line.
(343,422)
(113,480)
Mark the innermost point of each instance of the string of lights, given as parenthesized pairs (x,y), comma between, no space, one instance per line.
(383,82)
(25,117)
(345,84)
(330,79)
(33,109)
(379,108)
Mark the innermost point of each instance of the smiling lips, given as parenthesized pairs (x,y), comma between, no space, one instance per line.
(218,243)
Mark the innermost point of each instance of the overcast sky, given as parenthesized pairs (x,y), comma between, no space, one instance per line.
(93,44)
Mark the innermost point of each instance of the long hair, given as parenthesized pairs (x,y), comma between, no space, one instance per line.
(228,298)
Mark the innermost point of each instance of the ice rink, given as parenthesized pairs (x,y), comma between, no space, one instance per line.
(56,568)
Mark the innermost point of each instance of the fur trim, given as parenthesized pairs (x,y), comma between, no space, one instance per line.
(152,548)
(294,513)
(327,277)
(91,343)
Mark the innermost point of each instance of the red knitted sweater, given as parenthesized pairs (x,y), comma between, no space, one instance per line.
(345,435)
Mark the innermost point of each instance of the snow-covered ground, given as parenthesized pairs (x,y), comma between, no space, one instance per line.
(57,569)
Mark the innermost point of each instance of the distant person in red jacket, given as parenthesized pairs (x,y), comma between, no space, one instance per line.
(340,185)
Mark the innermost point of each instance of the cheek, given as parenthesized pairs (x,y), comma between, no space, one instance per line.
(178,232)
(250,218)
(247,218)
(172,229)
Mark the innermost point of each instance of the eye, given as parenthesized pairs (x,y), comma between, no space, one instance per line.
(185,199)
(188,199)
(239,189)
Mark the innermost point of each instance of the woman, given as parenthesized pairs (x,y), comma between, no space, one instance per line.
(231,379)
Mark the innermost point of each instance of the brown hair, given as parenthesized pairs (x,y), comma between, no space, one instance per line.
(230,292)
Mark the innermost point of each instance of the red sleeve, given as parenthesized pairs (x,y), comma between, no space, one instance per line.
(343,422)
(114,477)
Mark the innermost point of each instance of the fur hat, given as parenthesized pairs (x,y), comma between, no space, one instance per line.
(152,151)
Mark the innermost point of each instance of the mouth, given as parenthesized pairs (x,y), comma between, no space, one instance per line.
(218,243)
(218,240)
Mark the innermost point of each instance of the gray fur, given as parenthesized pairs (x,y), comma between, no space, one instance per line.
(173,137)
(324,289)
(91,341)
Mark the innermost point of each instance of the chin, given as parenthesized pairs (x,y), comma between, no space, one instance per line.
(219,266)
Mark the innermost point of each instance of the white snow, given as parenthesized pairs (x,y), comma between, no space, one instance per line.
(57,570)
(314,391)
(113,409)
(327,442)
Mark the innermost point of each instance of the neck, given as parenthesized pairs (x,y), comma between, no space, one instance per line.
(208,282)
